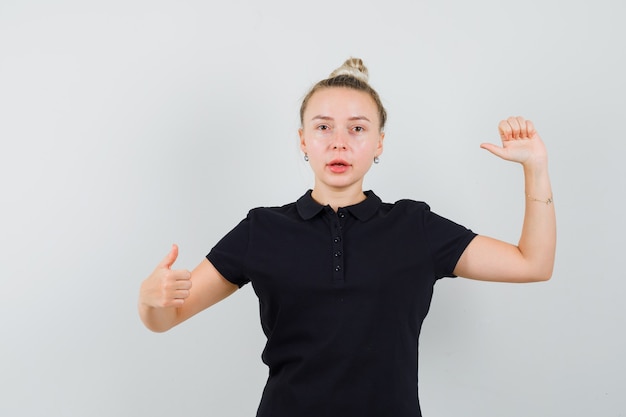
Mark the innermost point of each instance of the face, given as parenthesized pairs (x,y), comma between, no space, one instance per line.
(341,135)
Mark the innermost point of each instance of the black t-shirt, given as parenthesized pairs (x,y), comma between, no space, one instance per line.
(342,298)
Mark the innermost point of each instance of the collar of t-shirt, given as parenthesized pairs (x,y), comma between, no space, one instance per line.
(309,208)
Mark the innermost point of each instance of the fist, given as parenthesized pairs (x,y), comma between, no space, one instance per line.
(166,287)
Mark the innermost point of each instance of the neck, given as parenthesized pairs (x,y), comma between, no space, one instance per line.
(338,198)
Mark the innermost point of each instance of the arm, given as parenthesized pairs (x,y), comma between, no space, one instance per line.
(533,258)
(166,297)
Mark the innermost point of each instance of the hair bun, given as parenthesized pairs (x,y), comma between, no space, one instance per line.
(353,67)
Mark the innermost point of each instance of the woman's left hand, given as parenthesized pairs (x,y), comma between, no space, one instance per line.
(520,142)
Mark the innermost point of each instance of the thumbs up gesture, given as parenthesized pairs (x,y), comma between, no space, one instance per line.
(166,287)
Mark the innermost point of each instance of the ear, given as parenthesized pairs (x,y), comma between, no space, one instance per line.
(379,148)
(302,142)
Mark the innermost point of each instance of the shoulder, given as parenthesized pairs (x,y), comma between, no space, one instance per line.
(273,212)
(405,206)
(408,210)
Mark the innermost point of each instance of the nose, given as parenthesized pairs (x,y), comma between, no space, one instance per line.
(339,141)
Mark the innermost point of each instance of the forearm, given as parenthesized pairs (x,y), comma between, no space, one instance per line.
(533,258)
(538,239)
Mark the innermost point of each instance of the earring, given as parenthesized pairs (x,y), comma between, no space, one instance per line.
(306,157)
(376,160)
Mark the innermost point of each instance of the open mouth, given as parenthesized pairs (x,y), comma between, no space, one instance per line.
(338,162)
(338,166)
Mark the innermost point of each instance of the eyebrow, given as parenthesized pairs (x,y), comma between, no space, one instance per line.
(321,117)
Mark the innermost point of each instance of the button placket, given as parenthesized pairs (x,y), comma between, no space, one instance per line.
(338,266)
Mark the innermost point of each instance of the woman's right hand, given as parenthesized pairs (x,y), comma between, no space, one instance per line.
(165,297)
(166,287)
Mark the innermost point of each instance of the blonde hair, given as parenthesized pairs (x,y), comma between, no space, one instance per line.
(352,74)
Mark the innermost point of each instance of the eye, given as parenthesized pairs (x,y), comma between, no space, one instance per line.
(358,129)
(323,127)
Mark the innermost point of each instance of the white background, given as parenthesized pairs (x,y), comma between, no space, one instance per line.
(126,126)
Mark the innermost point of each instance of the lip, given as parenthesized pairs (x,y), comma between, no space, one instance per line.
(339,162)
(338,166)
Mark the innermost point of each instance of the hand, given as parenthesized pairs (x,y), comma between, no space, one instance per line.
(520,142)
(166,287)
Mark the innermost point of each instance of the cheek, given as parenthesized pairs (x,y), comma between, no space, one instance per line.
(367,145)
(315,148)
(316,140)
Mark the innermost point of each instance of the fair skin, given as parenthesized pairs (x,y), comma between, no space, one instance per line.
(341,135)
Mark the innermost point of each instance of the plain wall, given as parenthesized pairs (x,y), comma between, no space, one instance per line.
(126,126)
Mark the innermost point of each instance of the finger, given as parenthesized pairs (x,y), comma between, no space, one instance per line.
(181,275)
(496,150)
(504,128)
(530,128)
(523,130)
(181,294)
(515,127)
(174,287)
(182,284)
(170,258)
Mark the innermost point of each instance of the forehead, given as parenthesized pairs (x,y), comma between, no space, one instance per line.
(341,102)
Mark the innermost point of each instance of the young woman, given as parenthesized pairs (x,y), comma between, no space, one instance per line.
(345,280)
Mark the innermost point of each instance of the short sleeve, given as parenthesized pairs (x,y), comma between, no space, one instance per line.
(447,241)
(228,256)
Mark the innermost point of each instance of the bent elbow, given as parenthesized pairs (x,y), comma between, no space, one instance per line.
(542,278)
(157,329)
(539,276)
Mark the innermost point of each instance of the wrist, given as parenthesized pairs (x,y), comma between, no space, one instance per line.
(545,200)
(535,168)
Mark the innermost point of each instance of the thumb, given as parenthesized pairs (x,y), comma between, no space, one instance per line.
(170,258)
(494,149)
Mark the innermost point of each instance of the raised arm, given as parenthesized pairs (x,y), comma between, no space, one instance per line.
(533,258)
(166,297)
